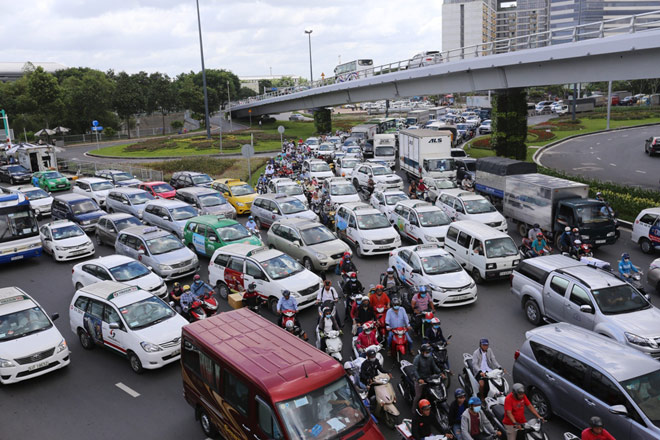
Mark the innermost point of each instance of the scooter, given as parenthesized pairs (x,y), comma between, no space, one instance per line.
(406,431)
(357,352)
(333,344)
(195,312)
(579,250)
(635,280)
(289,324)
(496,384)
(401,292)
(384,406)
(434,391)
(399,343)
(380,312)
(209,303)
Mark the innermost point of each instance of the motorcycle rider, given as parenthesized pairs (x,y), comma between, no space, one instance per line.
(287,302)
(328,293)
(326,324)
(474,423)
(347,266)
(534,232)
(370,369)
(576,234)
(379,298)
(423,367)
(456,410)
(421,303)
(467,183)
(540,246)
(351,287)
(422,422)
(185,300)
(175,295)
(565,239)
(251,225)
(250,296)
(199,288)
(483,361)
(576,249)
(394,318)
(434,334)
(363,314)
(353,373)
(626,268)
(595,431)
(514,410)
(412,189)
(388,279)
(366,338)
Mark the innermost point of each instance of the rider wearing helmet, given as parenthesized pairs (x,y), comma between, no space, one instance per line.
(251,225)
(539,245)
(421,303)
(186,299)
(327,295)
(565,239)
(474,423)
(175,294)
(353,372)
(363,313)
(366,338)
(536,230)
(433,334)
(370,369)
(388,279)
(286,302)
(423,422)
(626,268)
(351,287)
(394,318)
(327,322)
(514,410)
(595,431)
(456,410)
(347,266)
(424,366)
(250,296)
(379,298)
(483,361)
(199,288)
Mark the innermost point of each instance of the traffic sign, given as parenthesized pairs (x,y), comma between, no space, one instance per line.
(247,151)
(280,129)
(97,128)
(95,123)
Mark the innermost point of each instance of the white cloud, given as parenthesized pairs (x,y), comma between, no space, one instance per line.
(245,36)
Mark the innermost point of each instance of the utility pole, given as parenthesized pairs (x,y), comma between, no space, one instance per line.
(311,76)
(206,96)
(231,126)
(609,102)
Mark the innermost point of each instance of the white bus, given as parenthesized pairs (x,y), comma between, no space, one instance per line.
(354,70)
(19,230)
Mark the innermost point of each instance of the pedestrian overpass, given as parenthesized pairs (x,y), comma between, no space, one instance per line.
(625,48)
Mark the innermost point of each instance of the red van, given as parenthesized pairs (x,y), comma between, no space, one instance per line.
(248,379)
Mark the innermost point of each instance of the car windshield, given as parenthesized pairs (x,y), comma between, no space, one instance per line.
(372,221)
(281,267)
(35,194)
(501,247)
(212,199)
(478,206)
(292,206)
(161,188)
(17,222)
(183,213)
(25,322)
(67,231)
(393,199)
(102,186)
(290,189)
(592,213)
(316,235)
(342,189)
(120,177)
(619,299)
(127,223)
(439,264)
(381,171)
(311,141)
(470,166)
(201,179)
(326,148)
(325,413)
(17,169)
(140,198)
(384,151)
(461,127)
(645,392)
(84,207)
(52,175)
(233,232)
(444,184)
(145,313)
(163,245)
(129,271)
(433,218)
(319,167)
(242,190)
(439,164)
(349,163)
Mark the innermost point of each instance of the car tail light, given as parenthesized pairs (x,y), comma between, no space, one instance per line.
(72,271)
(511,280)
(516,355)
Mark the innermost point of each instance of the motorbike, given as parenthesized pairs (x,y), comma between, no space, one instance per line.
(403,293)
(404,429)
(289,324)
(526,249)
(399,346)
(261,188)
(194,313)
(254,303)
(384,401)
(209,303)
(441,359)
(357,352)
(496,384)
(434,391)
(635,280)
(333,344)
(380,313)
(350,291)
(578,251)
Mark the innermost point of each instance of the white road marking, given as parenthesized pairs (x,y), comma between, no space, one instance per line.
(131,392)
(613,164)
(598,158)
(597,143)
(640,171)
(624,135)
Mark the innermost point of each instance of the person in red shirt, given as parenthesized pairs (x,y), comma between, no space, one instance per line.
(514,410)
(366,338)
(379,298)
(596,430)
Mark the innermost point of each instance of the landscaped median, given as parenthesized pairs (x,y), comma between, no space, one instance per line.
(214,167)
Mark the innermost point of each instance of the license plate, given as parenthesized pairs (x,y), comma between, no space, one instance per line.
(61,185)
(506,272)
(462,297)
(601,241)
(37,366)
(384,247)
(17,257)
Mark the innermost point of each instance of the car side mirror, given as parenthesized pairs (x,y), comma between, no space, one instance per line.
(297,243)
(619,410)
(54,316)
(150,268)
(114,326)
(125,202)
(141,251)
(585,308)
(165,217)
(226,194)
(417,271)
(213,238)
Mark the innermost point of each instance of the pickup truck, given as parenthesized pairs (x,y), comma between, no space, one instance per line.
(556,288)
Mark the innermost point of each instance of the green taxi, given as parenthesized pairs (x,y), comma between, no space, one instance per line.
(206,233)
(51,181)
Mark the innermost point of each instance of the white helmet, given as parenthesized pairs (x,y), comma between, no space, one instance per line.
(289,324)
(567,229)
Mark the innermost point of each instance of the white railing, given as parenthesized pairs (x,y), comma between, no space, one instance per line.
(628,24)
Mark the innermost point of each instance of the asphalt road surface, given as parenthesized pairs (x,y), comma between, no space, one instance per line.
(616,156)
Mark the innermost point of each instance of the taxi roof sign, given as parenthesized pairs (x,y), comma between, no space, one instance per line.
(421,247)
(120,292)
(150,230)
(109,289)
(11,295)
(257,250)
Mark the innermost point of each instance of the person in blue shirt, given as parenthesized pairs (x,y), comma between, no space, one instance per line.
(199,288)
(397,317)
(539,245)
(565,240)
(626,268)
(286,302)
(185,301)
(251,225)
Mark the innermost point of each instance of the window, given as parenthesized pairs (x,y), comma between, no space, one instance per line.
(544,355)
(532,272)
(464,239)
(399,210)
(191,226)
(559,285)
(221,260)
(477,247)
(570,369)
(90,269)
(276,230)
(603,389)
(235,392)
(236,264)
(648,219)
(405,256)
(111,316)
(102,274)
(452,234)
(253,270)
(81,303)
(267,421)
(96,309)
(351,222)
(414,262)
(580,296)
(190,356)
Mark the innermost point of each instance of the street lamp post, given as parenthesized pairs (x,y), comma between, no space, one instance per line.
(311,76)
(206,96)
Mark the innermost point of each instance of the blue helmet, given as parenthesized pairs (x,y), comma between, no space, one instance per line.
(459,392)
(474,401)
(625,256)
(422,289)
(250,218)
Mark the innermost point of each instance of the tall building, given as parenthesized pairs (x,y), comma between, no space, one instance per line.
(467,23)
(520,19)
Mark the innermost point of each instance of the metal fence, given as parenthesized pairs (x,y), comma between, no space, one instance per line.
(89,168)
(628,24)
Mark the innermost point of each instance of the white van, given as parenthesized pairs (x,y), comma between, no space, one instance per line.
(485,252)
(646,230)
(385,148)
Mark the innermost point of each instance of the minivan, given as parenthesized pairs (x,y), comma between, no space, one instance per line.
(577,374)
(269,208)
(485,252)
(129,200)
(78,208)
(171,215)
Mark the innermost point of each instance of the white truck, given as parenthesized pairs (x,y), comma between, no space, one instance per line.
(426,153)
(385,148)
(364,131)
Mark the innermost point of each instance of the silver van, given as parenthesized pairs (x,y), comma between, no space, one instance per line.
(127,199)
(269,208)
(206,200)
(171,215)
(577,374)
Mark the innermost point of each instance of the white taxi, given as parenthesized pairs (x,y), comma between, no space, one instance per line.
(366,229)
(129,321)
(284,185)
(385,200)
(381,175)
(118,268)
(235,266)
(420,221)
(459,204)
(30,345)
(65,240)
(340,190)
(429,265)
(344,166)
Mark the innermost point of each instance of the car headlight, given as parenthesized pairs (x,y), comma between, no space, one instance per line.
(641,341)
(59,248)
(321,256)
(85,222)
(472,285)
(437,288)
(584,237)
(611,234)
(240,204)
(431,238)
(295,295)
(491,266)
(516,262)
(140,212)
(165,267)
(149,347)
(654,266)
(61,347)
(6,363)
(367,242)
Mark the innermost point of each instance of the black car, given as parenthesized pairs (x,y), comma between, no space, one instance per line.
(13,174)
(184,179)
(368,149)
(652,146)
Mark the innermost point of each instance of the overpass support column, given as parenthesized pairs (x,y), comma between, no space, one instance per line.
(323,120)
(509,122)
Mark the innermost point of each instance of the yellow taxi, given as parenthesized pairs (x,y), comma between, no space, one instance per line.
(238,193)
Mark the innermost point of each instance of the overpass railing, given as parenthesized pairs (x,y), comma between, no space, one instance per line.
(627,24)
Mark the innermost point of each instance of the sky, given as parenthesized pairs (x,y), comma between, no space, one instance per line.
(248,37)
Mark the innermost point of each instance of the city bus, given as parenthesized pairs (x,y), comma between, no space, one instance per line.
(19,230)
(354,70)
(248,379)
(385,125)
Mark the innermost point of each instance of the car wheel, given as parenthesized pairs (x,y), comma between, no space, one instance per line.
(541,403)
(645,245)
(208,427)
(270,246)
(532,312)
(356,184)
(222,289)
(258,223)
(308,264)
(136,364)
(522,230)
(98,239)
(358,251)
(477,276)
(110,210)
(85,339)
(272,305)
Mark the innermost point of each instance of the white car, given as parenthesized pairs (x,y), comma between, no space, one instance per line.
(366,229)
(325,151)
(30,345)
(65,240)
(40,200)
(344,166)
(317,168)
(353,151)
(93,187)
(435,185)
(485,127)
(420,221)
(465,205)
(340,190)
(121,269)
(429,265)
(645,228)
(382,175)
(235,266)
(386,200)
(313,143)
(284,185)
(128,321)
(334,140)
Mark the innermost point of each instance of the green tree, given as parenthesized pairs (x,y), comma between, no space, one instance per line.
(509,122)
(88,96)
(246,92)
(44,92)
(129,98)
(162,95)
(265,85)
(323,120)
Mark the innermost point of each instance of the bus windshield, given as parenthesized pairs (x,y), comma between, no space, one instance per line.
(16,223)
(326,413)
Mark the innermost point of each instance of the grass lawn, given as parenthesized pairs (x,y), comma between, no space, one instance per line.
(214,167)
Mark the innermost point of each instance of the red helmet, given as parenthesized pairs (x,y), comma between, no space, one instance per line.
(429,316)
(435,321)
(379,287)
(424,404)
(352,275)
(368,325)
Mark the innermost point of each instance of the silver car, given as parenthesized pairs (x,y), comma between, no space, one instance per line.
(308,242)
(576,374)
(129,200)
(109,226)
(269,208)
(159,249)
(170,215)
(653,275)
(40,200)
(206,200)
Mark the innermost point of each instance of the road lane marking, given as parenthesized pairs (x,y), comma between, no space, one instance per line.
(598,158)
(640,171)
(131,392)
(613,164)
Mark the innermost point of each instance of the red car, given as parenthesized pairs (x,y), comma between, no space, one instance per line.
(161,190)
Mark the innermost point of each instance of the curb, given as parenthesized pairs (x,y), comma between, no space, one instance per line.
(217,156)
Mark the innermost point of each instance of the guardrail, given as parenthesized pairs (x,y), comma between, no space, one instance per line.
(89,168)
(628,24)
